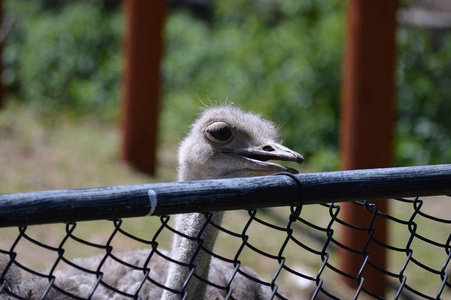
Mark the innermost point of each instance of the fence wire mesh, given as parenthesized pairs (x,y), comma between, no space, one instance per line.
(294,250)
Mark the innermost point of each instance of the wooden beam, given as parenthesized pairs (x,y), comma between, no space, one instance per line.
(367,124)
(143,51)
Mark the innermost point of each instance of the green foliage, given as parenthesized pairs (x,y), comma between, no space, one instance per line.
(424,101)
(284,59)
(280,58)
(67,59)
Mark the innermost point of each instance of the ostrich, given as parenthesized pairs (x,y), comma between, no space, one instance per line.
(224,142)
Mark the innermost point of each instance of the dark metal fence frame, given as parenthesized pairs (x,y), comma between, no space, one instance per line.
(222,194)
(163,199)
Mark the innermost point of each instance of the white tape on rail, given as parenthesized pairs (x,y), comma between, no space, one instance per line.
(153,201)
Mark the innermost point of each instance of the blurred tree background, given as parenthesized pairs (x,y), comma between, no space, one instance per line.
(280,58)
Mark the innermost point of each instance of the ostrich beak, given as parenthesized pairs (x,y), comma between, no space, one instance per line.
(257,157)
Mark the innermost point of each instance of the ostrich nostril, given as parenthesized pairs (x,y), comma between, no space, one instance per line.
(268,148)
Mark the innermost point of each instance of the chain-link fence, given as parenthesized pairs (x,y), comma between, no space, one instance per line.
(287,246)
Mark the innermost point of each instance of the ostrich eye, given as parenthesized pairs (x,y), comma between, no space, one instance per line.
(219,132)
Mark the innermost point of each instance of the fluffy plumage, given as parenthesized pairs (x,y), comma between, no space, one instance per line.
(224,142)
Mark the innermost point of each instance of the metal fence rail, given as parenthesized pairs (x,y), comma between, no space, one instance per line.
(222,194)
(303,238)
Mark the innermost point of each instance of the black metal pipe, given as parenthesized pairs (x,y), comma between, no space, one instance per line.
(222,194)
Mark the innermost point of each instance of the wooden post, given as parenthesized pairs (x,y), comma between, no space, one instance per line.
(143,50)
(367,123)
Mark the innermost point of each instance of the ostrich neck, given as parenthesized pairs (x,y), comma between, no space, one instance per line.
(184,249)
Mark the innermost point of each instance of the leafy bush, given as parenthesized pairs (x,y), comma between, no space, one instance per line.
(284,59)
(424,101)
(65,59)
(281,58)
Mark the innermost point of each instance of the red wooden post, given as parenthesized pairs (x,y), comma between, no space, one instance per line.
(367,122)
(143,50)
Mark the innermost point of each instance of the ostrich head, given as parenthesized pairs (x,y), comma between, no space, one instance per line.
(227,142)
